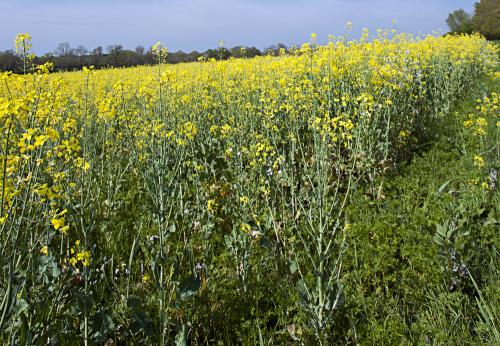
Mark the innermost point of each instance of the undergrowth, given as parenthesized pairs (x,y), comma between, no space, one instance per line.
(424,262)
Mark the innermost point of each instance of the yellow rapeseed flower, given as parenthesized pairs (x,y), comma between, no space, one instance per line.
(478,161)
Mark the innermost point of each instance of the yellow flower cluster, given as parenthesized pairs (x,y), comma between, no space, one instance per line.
(484,127)
(59,223)
(79,255)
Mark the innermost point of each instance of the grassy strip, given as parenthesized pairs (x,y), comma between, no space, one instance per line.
(424,260)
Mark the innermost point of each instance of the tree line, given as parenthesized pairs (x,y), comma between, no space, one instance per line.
(485,20)
(67,58)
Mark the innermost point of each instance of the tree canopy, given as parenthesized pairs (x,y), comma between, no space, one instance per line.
(485,20)
(459,21)
(67,58)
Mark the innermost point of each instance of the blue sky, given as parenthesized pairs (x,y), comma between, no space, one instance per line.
(201,24)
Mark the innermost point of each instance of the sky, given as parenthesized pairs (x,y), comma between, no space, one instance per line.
(201,24)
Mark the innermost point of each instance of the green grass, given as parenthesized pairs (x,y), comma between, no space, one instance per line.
(404,282)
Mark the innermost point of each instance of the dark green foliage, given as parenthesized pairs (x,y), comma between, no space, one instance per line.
(66,58)
(418,251)
(459,22)
(486,20)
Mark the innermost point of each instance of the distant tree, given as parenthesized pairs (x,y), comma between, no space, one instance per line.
(223,53)
(238,52)
(140,50)
(114,49)
(486,19)
(80,51)
(139,55)
(252,51)
(113,57)
(275,49)
(63,49)
(211,54)
(193,56)
(270,50)
(9,61)
(459,22)
(66,58)
(97,51)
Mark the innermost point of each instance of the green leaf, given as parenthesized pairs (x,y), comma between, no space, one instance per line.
(180,338)
(189,286)
(83,301)
(102,325)
(442,187)
(21,306)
